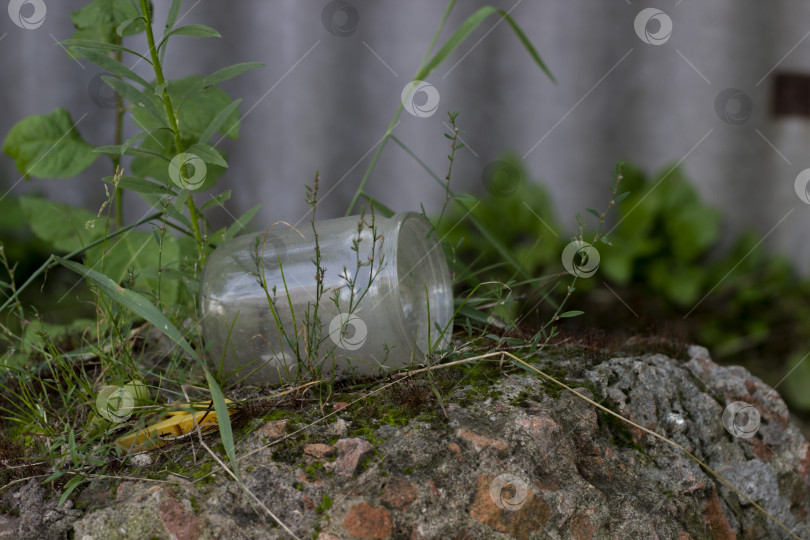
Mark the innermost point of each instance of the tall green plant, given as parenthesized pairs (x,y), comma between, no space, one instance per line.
(173,155)
(132,272)
(175,120)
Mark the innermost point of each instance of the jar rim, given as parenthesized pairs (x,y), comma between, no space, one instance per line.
(443,314)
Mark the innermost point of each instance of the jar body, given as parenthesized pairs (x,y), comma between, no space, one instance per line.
(375,297)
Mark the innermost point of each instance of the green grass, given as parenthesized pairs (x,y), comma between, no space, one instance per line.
(140,280)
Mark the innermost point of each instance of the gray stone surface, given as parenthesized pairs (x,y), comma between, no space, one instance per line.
(515,457)
(39,516)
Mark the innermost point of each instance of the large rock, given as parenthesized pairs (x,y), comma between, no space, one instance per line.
(514,458)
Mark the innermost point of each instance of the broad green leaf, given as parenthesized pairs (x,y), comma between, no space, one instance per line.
(133,301)
(147,133)
(208,154)
(143,101)
(219,120)
(151,167)
(693,229)
(160,142)
(65,228)
(130,25)
(499,246)
(110,64)
(466,29)
(32,339)
(196,112)
(681,284)
(150,164)
(48,146)
(572,313)
(469,213)
(639,212)
(616,266)
(99,19)
(136,250)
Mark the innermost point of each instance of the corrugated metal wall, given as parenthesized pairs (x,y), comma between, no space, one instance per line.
(628,88)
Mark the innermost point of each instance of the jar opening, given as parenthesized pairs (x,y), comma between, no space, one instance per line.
(425,291)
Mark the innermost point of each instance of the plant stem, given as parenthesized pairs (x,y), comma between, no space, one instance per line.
(119,133)
(394,120)
(490,237)
(452,158)
(167,103)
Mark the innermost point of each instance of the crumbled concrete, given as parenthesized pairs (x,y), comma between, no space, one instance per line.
(38,516)
(273,430)
(514,459)
(351,453)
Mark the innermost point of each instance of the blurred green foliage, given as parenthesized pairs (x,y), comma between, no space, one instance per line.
(519,211)
(665,249)
(141,259)
(662,237)
(20,245)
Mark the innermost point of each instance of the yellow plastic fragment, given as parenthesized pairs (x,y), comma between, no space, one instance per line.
(176,425)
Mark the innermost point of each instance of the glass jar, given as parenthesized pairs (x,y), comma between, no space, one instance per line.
(373,297)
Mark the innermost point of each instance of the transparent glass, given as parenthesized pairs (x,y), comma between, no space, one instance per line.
(379,298)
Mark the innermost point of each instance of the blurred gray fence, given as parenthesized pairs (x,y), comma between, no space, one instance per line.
(647,82)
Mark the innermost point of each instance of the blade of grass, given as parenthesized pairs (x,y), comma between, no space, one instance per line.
(395,119)
(132,301)
(224,420)
(142,307)
(425,68)
(467,27)
(52,261)
(70,486)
